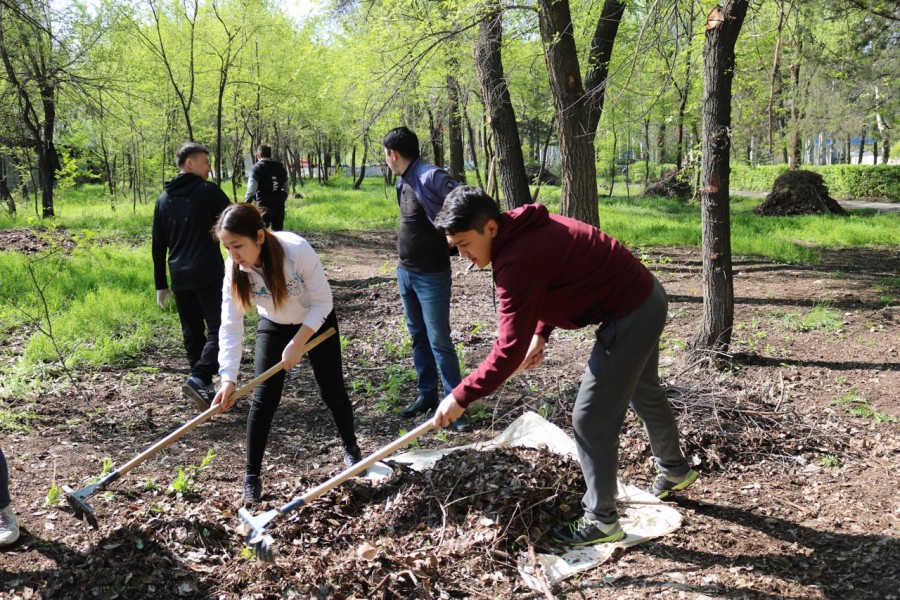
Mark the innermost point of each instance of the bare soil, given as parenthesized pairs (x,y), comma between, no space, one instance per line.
(797,497)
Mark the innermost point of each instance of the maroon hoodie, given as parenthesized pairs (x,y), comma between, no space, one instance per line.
(552,271)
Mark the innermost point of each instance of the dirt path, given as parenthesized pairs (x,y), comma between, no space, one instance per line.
(797,497)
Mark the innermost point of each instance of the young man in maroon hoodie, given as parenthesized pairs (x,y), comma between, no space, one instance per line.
(551,271)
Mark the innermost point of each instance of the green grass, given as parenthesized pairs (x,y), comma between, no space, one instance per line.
(101,295)
(101,305)
(821,317)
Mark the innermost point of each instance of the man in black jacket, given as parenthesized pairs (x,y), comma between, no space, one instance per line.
(267,184)
(184,215)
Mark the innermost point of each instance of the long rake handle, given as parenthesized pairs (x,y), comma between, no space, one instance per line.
(213,410)
(357,468)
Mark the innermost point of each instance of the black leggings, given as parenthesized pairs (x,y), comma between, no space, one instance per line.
(325,359)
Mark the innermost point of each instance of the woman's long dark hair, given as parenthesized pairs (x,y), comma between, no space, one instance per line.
(245,220)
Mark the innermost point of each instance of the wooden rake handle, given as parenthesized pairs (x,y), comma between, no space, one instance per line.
(214,410)
(365,463)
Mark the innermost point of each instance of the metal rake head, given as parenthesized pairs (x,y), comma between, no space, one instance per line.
(257,539)
(78,503)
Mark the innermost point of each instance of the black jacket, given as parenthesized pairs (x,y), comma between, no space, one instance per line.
(182,224)
(271,180)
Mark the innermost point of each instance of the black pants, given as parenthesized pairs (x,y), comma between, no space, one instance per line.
(200,313)
(325,359)
(273,215)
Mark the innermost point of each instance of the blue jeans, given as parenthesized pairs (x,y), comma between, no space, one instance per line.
(426,306)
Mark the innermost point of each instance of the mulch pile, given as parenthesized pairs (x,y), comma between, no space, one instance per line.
(672,184)
(35,239)
(799,193)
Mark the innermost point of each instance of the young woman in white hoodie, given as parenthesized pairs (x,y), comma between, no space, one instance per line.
(280,274)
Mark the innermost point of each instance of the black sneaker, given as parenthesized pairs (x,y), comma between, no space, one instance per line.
(351,454)
(252,492)
(421,405)
(461,424)
(194,389)
(663,484)
(585,532)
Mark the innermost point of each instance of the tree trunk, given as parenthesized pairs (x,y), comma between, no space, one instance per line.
(862,145)
(543,168)
(362,166)
(5,192)
(684,91)
(795,154)
(494,87)
(437,138)
(48,159)
(472,151)
(577,113)
(454,131)
(353,163)
(722,29)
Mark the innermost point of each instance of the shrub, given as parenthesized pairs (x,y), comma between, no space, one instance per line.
(858,182)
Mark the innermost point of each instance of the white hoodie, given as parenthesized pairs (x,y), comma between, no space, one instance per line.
(309,299)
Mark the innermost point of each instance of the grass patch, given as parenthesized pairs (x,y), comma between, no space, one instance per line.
(858,406)
(821,317)
(16,420)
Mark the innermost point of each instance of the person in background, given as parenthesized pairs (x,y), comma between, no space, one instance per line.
(280,274)
(185,213)
(550,272)
(267,185)
(9,524)
(423,270)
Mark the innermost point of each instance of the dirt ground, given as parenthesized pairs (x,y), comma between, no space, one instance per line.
(797,497)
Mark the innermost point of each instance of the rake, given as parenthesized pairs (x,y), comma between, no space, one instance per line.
(77,499)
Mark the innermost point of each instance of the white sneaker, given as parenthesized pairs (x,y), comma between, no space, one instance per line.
(9,526)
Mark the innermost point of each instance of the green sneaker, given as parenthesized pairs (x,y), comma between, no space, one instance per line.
(664,484)
(585,532)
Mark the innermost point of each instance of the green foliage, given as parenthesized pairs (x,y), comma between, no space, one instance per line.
(15,420)
(108,467)
(461,356)
(183,484)
(54,495)
(858,182)
(821,317)
(858,406)
(829,461)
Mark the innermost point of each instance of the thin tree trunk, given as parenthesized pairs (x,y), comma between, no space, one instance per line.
(722,29)
(473,153)
(362,167)
(454,130)
(504,129)
(862,145)
(543,167)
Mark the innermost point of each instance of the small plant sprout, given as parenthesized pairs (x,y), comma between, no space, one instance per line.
(108,467)
(441,435)
(183,484)
(829,461)
(150,484)
(414,443)
(461,355)
(53,495)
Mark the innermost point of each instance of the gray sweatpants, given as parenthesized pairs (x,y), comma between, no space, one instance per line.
(623,369)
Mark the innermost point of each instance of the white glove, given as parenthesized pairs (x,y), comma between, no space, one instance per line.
(161,296)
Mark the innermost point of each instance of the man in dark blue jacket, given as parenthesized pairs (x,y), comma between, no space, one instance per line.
(423,269)
(184,215)
(267,184)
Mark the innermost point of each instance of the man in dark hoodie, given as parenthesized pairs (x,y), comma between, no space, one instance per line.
(183,220)
(267,184)
(551,271)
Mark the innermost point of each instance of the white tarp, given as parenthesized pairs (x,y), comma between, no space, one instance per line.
(645,517)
